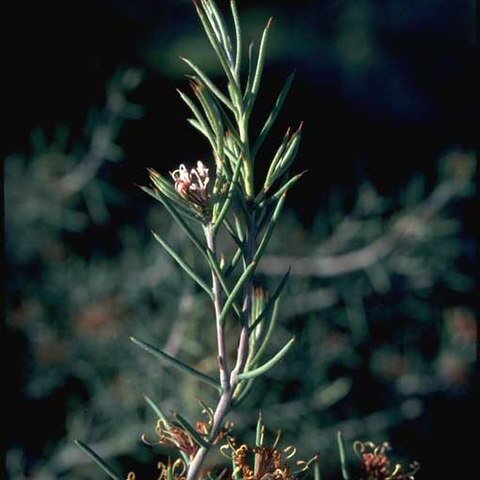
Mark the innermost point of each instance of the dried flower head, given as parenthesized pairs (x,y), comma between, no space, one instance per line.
(169,471)
(264,463)
(376,464)
(172,434)
(192,185)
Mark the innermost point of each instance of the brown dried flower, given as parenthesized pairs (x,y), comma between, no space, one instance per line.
(263,463)
(376,464)
(172,434)
(169,471)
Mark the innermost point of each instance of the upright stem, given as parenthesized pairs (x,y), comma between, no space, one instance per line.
(218,303)
(242,351)
(223,406)
(228,382)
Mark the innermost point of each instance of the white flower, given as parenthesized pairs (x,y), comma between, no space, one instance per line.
(192,185)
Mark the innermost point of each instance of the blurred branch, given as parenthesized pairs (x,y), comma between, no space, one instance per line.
(409,227)
(104,134)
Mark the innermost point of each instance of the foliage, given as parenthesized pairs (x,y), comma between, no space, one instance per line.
(376,251)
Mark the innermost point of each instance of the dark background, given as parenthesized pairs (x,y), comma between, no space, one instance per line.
(385,89)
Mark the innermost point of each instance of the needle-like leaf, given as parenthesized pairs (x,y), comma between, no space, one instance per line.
(236,289)
(176,215)
(238,37)
(273,115)
(271,301)
(268,365)
(343,457)
(165,357)
(260,63)
(156,409)
(186,268)
(184,423)
(270,227)
(98,460)
(228,201)
(181,208)
(209,84)
(205,129)
(283,189)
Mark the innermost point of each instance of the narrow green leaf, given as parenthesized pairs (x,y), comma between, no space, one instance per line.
(248,87)
(207,132)
(238,227)
(238,37)
(260,63)
(228,269)
(271,301)
(231,128)
(166,187)
(176,215)
(163,417)
(273,115)
(209,105)
(220,476)
(186,268)
(234,234)
(161,355)
(272,322)
(156,409)
(283,189)
(184,423)
(268,365)
(270,227)
(98,460)
(187,212)
(343,457)
(291,151)
(219,50)
(277,157)
(285,160)
(218,273)
(236,289)
(261,219)
(213,23)
(228,201)
(195,124)
(218,21)
(316,469)
(242,392)
(233,156)
(209,84)
(259,431)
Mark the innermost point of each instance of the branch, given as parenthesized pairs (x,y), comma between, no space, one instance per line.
(402,230)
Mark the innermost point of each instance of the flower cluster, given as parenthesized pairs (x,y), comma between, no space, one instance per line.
(263,463)
(172,434)
(192,185)
(376,464)
(171,471)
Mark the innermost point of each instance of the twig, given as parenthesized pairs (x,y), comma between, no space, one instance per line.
(403,229)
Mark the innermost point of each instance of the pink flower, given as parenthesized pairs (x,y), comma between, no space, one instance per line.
(192,185)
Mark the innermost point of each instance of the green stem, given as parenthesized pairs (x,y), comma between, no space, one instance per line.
(218,306)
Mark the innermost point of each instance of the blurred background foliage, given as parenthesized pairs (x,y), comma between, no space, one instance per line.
(380,235)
